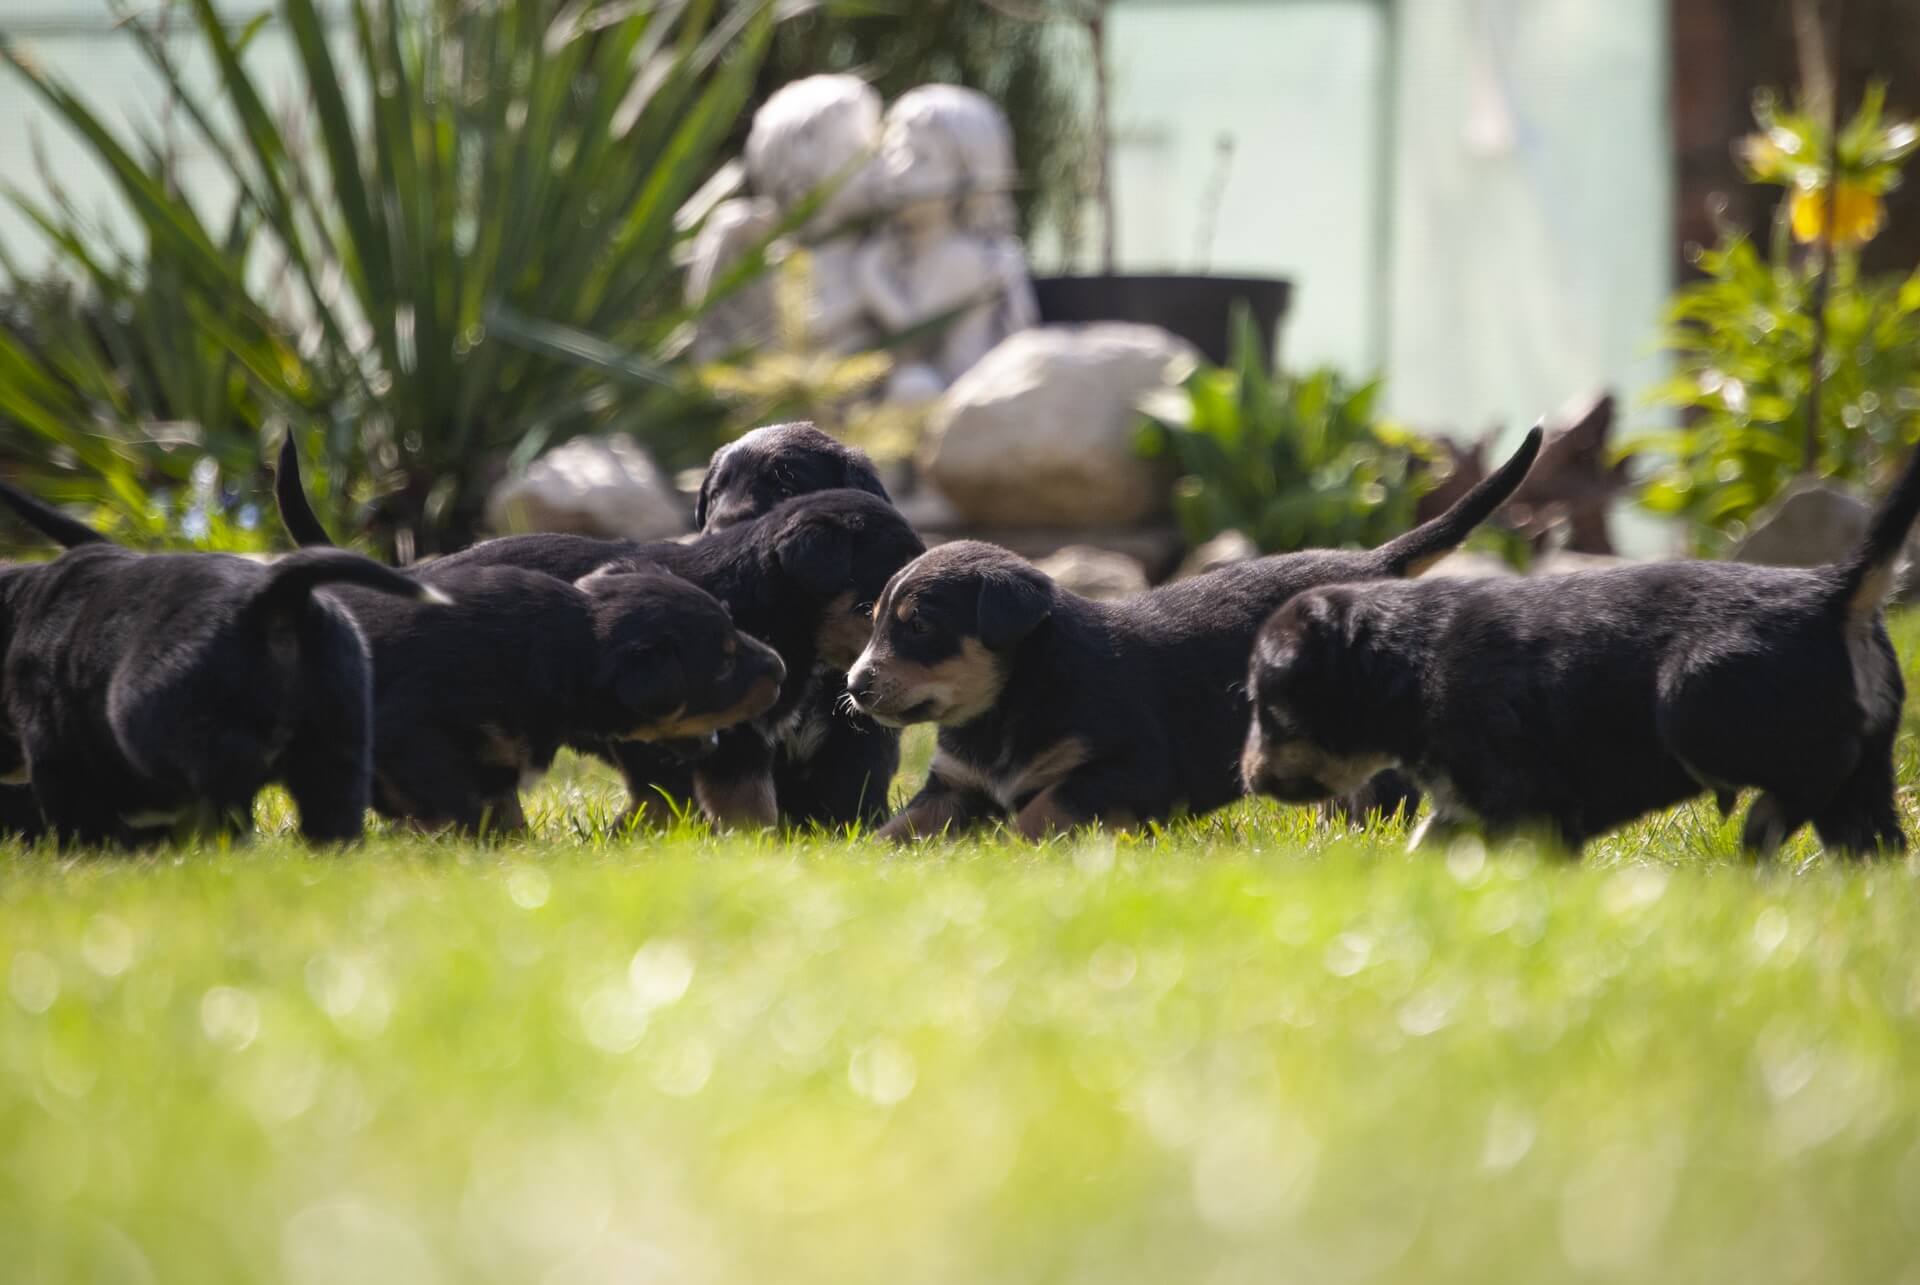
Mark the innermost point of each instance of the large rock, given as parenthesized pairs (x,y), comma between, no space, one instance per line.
(1095,573)
(1041,431)
(1815,522)
(1807,525)
(601,486)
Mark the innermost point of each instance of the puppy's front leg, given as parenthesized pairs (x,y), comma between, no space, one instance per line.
(734,785)
(941,808)
(1063,807)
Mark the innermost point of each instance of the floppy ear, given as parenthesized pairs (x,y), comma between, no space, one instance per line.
(703,501)
(857,473)
(816,555)
(1012,606)
(646,682)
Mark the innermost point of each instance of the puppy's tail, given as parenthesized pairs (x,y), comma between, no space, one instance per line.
(1427,543)
(49,521)
(296,513)
(297,575)
(1867,578)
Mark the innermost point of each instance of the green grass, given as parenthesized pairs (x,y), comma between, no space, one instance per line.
(1244,1050)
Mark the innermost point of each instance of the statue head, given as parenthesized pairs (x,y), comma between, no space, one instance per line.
(950,144)
(816,131)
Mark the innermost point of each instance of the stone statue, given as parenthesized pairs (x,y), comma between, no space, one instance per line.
(939,167)
(947,249)
(820,131)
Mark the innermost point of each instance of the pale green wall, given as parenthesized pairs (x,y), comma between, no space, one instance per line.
(1471,194)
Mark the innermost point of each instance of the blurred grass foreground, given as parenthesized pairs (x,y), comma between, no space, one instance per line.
(1246,1049)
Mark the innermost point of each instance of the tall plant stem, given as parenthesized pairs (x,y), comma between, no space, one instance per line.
(1823,284)
(1103,137)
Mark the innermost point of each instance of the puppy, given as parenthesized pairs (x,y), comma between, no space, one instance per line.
(827,766)
(1061,711)
(148,693)
(802,578)
(757,470)
(472,700)
(1570,706)
(833,767)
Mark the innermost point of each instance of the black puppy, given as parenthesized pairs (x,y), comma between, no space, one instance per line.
(472,700)
(833,766)
(151,692)
(1063,711)
(1570,706)
(758,470)
(802,578)
(829,765)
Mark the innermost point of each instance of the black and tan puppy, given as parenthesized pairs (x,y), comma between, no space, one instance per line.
(1571,705)
(1060,711)
(472,700)
(802,578)
(828,765)
(151,693)
(831,766)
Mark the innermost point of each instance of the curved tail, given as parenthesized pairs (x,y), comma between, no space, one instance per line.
(1867,577)
(1427,543)
(293,578)
(49,521)
(296,513)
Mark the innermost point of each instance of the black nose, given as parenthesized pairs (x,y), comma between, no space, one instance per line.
(860,684)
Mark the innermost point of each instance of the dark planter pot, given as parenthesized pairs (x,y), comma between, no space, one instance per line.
(1198,309)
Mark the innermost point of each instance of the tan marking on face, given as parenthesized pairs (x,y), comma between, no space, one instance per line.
(904,611)
(959,689)
(844,633)
(1294,759)
(680,725)
(744,804)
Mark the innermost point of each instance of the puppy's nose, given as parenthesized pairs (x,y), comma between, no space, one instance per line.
(860,683)
(770,662)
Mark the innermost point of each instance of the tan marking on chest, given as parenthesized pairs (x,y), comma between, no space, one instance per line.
(1019,781)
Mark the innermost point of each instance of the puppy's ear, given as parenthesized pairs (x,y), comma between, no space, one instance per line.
(816,555)
(647,683)
(1012,605)
(857,473)
(709,482)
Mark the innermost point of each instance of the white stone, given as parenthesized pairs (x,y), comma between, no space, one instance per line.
(1223,550)
(602,486)
(1095,573)
(1042,431)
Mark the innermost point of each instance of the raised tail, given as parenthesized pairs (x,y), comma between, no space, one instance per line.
(1427,543)
(1867,577)
(49,521)
(296,512)
(293,578)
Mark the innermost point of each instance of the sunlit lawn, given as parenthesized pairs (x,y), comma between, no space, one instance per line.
(1247,1050)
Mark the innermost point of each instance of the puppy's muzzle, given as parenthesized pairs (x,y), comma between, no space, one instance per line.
(1259,774)
(879,701)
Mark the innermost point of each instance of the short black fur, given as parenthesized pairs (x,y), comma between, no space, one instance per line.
(1061,711)
(1572,705)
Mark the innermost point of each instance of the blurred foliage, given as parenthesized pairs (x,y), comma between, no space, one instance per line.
(1292,461)
(898,44)
(440,163)
(1743,336)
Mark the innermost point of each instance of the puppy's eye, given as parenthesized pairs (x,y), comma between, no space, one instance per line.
(863,609)
(919,626)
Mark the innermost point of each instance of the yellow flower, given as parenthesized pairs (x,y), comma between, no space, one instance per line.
(1858,217)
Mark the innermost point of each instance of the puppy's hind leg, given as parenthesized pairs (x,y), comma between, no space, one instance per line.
(1771,821)
(1861,819)
(328,765)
